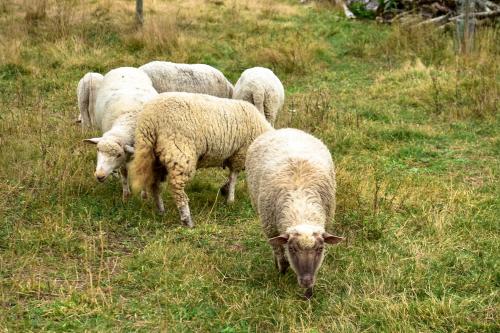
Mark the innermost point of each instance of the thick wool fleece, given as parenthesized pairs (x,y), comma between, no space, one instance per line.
(185,131)
(86,93)
(259,86)
(193,78)
(291,180)
(121,96)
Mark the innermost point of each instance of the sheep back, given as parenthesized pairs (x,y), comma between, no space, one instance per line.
(123,90)
(281,164)
(207,130)
(193,78)
(261,87)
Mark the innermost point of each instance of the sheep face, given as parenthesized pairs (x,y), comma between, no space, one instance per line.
(110,156)
(305,253)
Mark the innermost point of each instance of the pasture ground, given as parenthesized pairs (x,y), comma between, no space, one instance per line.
(414,131)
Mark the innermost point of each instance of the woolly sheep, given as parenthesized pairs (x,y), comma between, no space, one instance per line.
(193,78)
(291,180)
(86,92)
(120,98)
(178,133)
(263,89)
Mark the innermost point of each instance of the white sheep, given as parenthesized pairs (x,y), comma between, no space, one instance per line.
(193,78)
(178,133)
(120,98)
(291,180)
(259,86)
(86,93)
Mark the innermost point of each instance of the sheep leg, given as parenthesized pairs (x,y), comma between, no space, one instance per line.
(156,191)
(178,178)
(229,187)
(182,202)
(185,214)
(280,259)
(124,179)
(236,163)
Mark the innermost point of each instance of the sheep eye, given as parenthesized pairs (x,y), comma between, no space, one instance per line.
(119,155)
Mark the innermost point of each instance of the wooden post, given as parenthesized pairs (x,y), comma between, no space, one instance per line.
(139,12)
(466,40)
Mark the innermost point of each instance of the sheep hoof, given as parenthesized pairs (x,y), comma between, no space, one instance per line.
(188,222)
(144,195)
(224,190)
(125,196)
(308,294)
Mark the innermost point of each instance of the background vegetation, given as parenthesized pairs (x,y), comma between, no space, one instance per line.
(414,131)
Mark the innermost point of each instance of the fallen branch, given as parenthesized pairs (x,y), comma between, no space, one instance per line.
(436,21)
(490,4)
(481,15)
(401,15)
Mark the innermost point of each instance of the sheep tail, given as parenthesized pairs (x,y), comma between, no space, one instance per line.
(86,95)
(142,168)
(83,94)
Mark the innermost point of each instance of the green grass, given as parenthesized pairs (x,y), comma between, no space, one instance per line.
(413,130)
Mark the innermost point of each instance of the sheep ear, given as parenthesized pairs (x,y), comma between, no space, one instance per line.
(129,149)
(93,140)
(331,239)
(278,240)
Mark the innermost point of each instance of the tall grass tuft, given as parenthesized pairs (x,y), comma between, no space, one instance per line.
(159,34)
(35,10)
(295,54)
(458,85)
(411,126)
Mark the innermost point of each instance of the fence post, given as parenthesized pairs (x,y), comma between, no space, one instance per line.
(139,12)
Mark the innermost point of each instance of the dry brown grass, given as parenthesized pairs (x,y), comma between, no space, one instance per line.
(35,10)
(158,35)
(416,173)
(450,84)
(295,54)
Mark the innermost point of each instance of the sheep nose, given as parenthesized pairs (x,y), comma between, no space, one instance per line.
(306,281)
(100,178)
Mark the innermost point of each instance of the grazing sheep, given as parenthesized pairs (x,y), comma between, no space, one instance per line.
(120,98)
(263,89)
(291,180)
(86,94)
(193,78)
(178,133)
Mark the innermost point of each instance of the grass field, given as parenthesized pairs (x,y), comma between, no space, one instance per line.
(413,129)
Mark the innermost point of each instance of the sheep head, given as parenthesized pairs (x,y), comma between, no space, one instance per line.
(110,156)
(304,249)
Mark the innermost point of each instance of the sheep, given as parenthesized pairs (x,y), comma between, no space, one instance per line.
(193,78)
(178,133)
(120,98)
(86,92)
(291,181)
(259,86)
